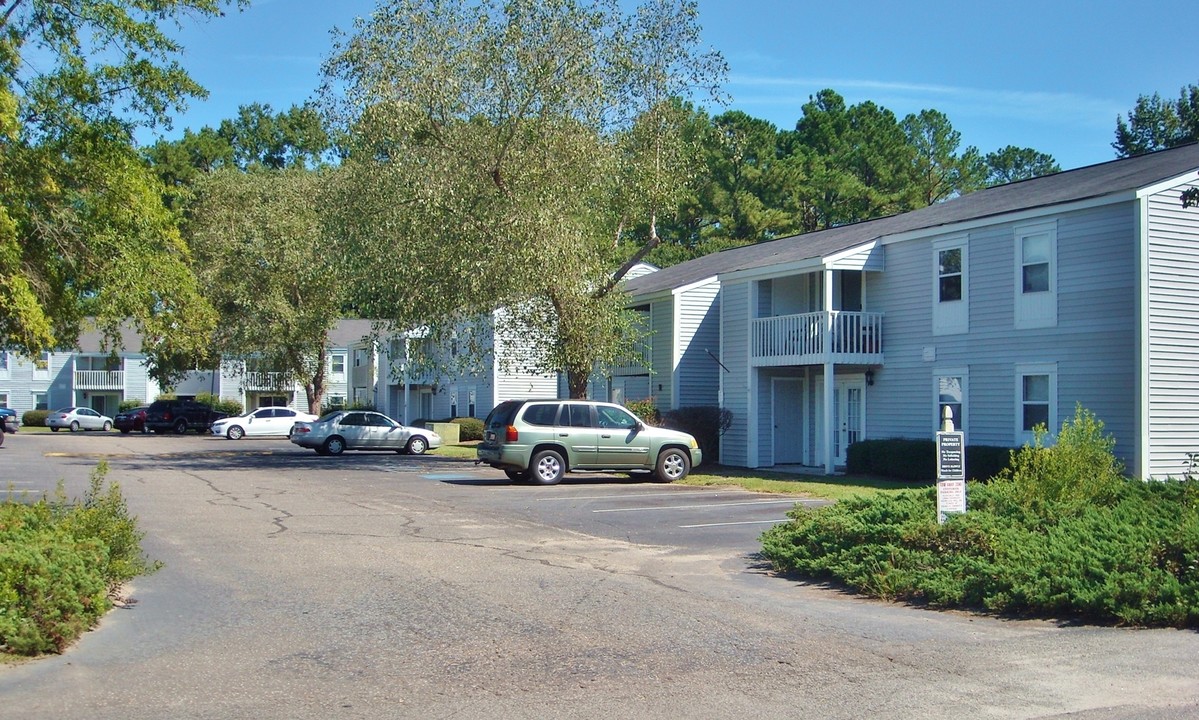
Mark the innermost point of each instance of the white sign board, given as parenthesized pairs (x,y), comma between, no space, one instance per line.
(951,498)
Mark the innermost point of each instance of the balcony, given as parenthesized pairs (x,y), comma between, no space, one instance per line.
(99,379)
(639,362)
(839,337)
(254,381)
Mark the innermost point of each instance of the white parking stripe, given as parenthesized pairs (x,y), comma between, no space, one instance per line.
(615,496)
(695,507)
(743,522)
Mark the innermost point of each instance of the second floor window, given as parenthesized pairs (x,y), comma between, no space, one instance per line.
(949,276)
(337,365)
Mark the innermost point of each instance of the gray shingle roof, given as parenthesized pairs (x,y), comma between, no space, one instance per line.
(1092,181)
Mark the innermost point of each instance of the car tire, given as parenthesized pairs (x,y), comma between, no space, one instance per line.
(180,426)
(417,445)
(125,431)
(53,428)
(107,426)
(74,426)
(517,476)
(335,445)
(235,432)
(673,464)
(547,468)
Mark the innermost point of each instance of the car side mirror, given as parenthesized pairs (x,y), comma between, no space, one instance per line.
(640,426)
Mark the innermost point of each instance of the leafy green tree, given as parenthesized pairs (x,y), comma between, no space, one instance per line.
(82,228)
(1011,164)
(295,137)
(262,255)
(1156,123)
(519,155)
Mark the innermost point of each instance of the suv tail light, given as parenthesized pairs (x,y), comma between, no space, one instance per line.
(511,435)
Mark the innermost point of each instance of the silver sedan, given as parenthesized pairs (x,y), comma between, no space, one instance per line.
(343,430)
(78,418)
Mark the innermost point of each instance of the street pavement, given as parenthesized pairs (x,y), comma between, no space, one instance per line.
(377,585)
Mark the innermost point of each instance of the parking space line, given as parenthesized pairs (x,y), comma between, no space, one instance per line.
(742,522)
(626,495)
(695,507)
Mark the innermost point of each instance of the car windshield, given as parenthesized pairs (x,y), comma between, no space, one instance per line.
(503,414)
(66,410)
(329,415)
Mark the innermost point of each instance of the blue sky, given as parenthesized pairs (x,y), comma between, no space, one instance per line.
(1047,74)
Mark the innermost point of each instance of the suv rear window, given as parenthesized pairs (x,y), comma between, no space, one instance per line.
(546,415)
(503,414)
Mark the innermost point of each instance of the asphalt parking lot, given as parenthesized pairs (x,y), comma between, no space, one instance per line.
(386,586)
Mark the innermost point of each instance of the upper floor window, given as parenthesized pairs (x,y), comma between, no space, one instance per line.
(951,303)
(337,365)
(1036,275)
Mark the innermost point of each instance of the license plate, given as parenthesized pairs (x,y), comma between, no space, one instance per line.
(490,437)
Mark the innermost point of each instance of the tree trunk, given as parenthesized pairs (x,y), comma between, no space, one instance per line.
(576,383)
(315,387)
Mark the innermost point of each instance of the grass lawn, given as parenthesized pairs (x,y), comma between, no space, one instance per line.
(765,481)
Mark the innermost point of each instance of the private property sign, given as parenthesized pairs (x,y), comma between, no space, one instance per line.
(951,474)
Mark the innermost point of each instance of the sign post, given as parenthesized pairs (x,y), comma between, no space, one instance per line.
(951,469)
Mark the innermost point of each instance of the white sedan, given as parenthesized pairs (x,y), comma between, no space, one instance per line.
(343,430)
(263,421)
(78,418)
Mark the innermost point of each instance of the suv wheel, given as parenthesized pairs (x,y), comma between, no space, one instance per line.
(673,464)
(180,426)
(547,468)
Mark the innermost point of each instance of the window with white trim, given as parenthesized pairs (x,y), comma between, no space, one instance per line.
(951,289)
(1036,399)
(1036,275)
(335,402)
(3,400)
(949,390)
(41,401)
(337,367)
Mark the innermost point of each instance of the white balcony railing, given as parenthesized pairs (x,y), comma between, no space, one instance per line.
(263,381)
(99,379)
(816,338)
(640,361)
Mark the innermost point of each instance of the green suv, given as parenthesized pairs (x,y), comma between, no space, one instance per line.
(541,440)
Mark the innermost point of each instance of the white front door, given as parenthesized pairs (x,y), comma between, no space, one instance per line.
(849,395)
(788,421)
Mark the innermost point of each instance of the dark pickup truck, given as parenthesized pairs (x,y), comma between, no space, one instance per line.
(179,416)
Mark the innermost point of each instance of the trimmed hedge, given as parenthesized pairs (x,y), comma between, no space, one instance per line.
(916,460)
(34,418)
(469,429)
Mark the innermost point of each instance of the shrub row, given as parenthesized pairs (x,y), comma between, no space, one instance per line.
(61,564)
(916,460)
(34,418)
(1060,533)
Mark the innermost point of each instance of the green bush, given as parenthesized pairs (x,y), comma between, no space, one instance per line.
(916,460)
(61,563)
(646,409)
(126,405)
(229,407)
(1101,548)
(34,418)
(705,423)
(469,429)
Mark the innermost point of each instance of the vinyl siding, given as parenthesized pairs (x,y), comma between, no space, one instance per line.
(1173,332)
(662,351)
(697,372)
(734,353)
(1093,342)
